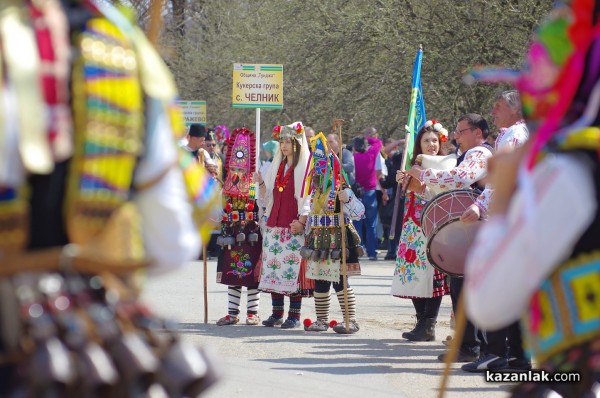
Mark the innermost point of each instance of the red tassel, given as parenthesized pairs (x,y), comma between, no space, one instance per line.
(307,322)
(332,323)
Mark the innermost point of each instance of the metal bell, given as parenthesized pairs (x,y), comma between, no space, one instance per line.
(240,238)
(335,254)
(306,252)
(220,241)
(228,241)
(360,251)
(324,254)
(252,238)
(315,255)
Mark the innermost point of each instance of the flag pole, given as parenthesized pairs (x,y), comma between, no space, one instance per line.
(410,133)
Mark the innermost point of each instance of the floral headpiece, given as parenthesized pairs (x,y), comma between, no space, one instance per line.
(294,130)
(438,128)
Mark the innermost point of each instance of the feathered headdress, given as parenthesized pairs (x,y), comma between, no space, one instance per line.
(323,170)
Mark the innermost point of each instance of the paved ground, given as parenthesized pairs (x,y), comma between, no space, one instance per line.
(269,362)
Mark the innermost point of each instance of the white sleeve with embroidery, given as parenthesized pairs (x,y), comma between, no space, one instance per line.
(483,200)
(170,236)
(472,169)
(354,208)
(513,137)
(513,254)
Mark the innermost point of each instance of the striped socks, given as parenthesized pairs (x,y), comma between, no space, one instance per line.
(253,301)
(233,296)
(351,303)
(322,301)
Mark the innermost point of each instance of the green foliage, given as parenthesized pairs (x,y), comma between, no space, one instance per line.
(348,59)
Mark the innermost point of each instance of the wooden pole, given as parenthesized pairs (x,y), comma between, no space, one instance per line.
(459,330)
(205,260)
(155,21)
(339,123)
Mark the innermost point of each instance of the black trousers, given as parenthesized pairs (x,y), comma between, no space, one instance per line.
(506,342)
(474,339)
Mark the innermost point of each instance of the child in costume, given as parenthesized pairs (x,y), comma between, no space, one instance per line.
(286,211)
(323,249)
(240,233)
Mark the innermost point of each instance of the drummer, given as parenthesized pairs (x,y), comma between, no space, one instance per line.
(504,346)
(471,135)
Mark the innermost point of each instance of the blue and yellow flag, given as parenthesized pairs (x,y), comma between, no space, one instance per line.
(416,111)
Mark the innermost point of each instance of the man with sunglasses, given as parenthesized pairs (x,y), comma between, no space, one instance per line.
(214,152)
(471,135)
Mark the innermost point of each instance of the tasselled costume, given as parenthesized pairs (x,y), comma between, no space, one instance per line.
(241,238)
(90,197)
(323,247)
(324,241)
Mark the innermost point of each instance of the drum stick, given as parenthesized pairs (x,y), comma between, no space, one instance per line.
(204,255)
(459,330)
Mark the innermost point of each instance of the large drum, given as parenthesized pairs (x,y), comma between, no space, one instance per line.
(448,239)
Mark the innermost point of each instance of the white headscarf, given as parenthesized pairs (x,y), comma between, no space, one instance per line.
(299,170)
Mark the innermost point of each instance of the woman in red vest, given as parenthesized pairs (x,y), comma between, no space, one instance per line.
(282,272)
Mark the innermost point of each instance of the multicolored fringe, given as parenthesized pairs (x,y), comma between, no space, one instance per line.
(108,115)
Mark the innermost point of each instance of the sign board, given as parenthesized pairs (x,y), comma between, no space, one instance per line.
(193,112)
(257,86)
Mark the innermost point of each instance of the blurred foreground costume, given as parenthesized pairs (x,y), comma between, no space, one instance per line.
(545,245)
(93,191)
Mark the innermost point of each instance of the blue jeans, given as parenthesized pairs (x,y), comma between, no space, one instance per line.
(368,239)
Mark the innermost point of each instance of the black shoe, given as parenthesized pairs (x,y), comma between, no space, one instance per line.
(272,321)
(461,357)
(389,258)
(290,323)
(519,364)
(486,362)
(424,331)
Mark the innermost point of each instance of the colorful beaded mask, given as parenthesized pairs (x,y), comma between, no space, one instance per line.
(325,165)
(240,163)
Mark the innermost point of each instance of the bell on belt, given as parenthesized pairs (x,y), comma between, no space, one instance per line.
(335,254)
(315,255)
(220,241)
(306,252)
(280,189)
(253,238)
(360,251)
(228,241)
(241,237)
(324,254)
